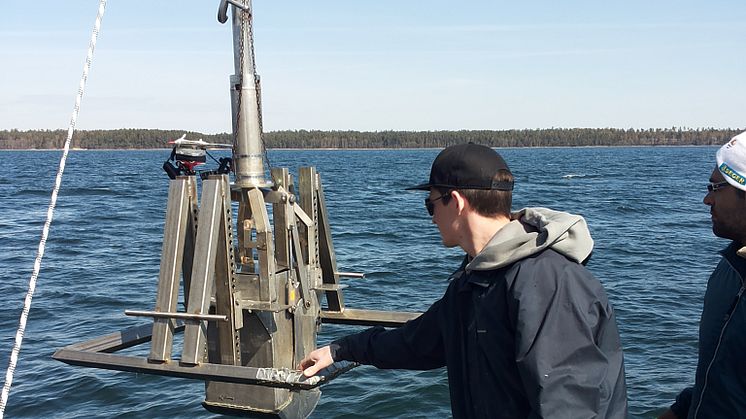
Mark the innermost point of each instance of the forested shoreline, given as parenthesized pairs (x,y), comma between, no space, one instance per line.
(551,137)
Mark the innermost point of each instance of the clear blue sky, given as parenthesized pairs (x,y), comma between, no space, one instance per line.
(381,64)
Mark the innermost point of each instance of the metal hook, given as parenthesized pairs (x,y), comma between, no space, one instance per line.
(223,9)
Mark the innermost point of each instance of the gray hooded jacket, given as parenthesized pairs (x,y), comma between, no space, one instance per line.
(524,329)
(531,231)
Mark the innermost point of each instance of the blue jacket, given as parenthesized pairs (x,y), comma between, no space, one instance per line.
(524,329)
(720,384)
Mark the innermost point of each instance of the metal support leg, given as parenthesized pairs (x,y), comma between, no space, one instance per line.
(172,253)
(327,257)
(203,271)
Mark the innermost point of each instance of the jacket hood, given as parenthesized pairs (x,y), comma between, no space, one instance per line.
(530,231)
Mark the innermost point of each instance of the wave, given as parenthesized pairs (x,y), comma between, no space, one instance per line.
(92,191)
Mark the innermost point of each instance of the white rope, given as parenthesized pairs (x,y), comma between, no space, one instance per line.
(50,213)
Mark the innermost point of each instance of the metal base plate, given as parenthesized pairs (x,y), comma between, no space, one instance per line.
(98,353)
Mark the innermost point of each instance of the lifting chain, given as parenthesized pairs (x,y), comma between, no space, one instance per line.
(258,89)
(240,81)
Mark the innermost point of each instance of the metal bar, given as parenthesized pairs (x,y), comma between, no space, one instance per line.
(330,287)
(245,226)
(265,246)
(203,269)
(248,151)
(272,196)
(191,236)
(349,275)
(120,340)
(300,267)
(175,315)
(327,256)
(229,342)
(239,5)
(272,377)
(368,317)
(306,177)
(299,349)
(302,216)
(172,254)
(251,305)
(281,220)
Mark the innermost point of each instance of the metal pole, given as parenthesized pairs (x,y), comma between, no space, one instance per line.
(248,150)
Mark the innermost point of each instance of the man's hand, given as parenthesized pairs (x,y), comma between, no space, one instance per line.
(316,361)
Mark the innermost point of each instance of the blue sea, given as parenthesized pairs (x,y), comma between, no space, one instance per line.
(654,250)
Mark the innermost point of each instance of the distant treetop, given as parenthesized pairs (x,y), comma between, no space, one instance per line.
(551,137)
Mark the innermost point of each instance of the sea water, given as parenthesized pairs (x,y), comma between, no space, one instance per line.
(654,250)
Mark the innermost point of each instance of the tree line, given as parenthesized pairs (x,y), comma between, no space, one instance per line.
(550,137)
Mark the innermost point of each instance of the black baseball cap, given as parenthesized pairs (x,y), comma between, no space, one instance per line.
(467,166)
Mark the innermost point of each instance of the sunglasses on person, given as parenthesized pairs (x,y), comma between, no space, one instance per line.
(712,187)
(429,203)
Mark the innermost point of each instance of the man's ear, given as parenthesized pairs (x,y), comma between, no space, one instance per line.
(459,200)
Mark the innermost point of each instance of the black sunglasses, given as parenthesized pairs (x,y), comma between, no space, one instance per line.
(712,187)
(429,203)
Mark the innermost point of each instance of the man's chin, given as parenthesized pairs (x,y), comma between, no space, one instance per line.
(448,245)
(722,233)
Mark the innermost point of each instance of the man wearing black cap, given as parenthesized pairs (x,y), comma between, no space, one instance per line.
(524,329)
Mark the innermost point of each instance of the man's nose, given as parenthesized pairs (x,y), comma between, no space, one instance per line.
(707,200)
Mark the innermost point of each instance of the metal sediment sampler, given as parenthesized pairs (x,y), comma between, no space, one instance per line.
(253,303)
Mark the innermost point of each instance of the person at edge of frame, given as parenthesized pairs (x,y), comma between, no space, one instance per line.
(524,329)
(719,389)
